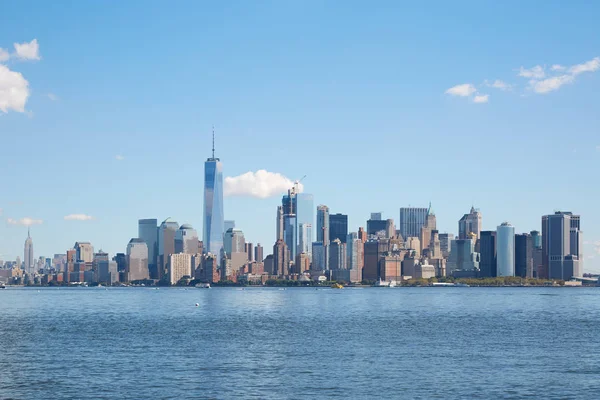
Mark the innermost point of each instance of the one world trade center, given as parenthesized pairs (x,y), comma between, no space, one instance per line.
(213,204)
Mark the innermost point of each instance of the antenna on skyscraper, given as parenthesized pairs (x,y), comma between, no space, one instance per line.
(213,142)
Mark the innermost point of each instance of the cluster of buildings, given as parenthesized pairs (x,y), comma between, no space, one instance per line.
(170,253)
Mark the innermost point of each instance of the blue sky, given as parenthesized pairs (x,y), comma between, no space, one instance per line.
(358,96)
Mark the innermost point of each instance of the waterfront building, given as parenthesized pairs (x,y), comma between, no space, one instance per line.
(148,232)
(214,224)
(107,271)
(186,240)
(487,250)
(166,245)
(463,257)
(390,267)
(470,223)
(28,263)
(180,265)
(562,256)
(137,260)
(281,259)
(412,219)
(524,255)
(338,227)
(505,250)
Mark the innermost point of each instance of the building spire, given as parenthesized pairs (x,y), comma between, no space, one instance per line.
(28,233)
(213,148)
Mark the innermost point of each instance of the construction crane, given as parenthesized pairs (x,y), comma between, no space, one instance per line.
(295,188)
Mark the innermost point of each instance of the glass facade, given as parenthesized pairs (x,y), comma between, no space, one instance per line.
(323,224)
(212,233)
(505,250)
(289,234)
(338,227)
(411,221)
(148,232)
(305,238)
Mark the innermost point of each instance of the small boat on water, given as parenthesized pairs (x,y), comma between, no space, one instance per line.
(203,285)
(337,286)
(2,286)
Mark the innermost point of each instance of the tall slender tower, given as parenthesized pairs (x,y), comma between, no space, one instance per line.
(28,263)
(213,225)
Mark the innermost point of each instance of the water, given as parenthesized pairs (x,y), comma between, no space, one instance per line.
(445,343)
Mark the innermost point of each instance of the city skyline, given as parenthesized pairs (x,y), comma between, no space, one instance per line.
(508,123)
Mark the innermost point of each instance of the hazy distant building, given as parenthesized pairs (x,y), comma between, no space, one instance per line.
(180,265)
(28,262)
(376,216)
(228,224)
(323,224)
(258,253)
(305,212)
(562,245)
(305,239)
(166,245)
(148,232)
(470,223)
(137,260)
(234,242)
(186,240)
(446,243)
(214,224)
(412,219)
(338,227)
(505,250)
(84,251)
(487,250)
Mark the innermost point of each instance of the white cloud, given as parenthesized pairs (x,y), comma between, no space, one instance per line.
(14,90)
(589,66)
(119,157)
(260,184)
(557,67)
(550,84)
(464,90)
(4,56)
(498,84)
(28,51)
(27,221)
(52,96)
(78,217)
(536,72)
(481,98)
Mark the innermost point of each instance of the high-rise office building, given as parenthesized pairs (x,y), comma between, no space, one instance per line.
(302,263)
(250,251)
(228,224)
(487,251)
(320,257)
(536,239)
(463,256)
(355,252)
(362,234)
(305,238)
(376,216)
(338,227)
(148,232)
(137,260)
(28,263)
(305,211)
(180,265)
(279,222)
(337,255)
(505,250)
(524,255)
(107,272)
(235,242)
(289,234)
(412,219)
(186,240)
(258,253)
(166,246)
(84,251)
(561,246)
(213,228)
(377,227)
(446,243)
(281,259)
(470,223)
(323,224)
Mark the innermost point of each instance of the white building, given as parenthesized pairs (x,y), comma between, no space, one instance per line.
(505,250)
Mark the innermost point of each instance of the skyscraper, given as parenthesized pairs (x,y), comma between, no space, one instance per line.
(470,223)
(412,219)
(487,250)
(323,224)
(337,255)
(289,234)
(137,260)
(305,239)
(279,223)
(446,243)
(228,224)
(281,259)
(186,240)
(84,251)
(214,224)
(305,211)
(28,262)
(376,226)
(338,227)
(148,232)
(561,245)
(524,255)
(258,253)
(166,246)
(505,250)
